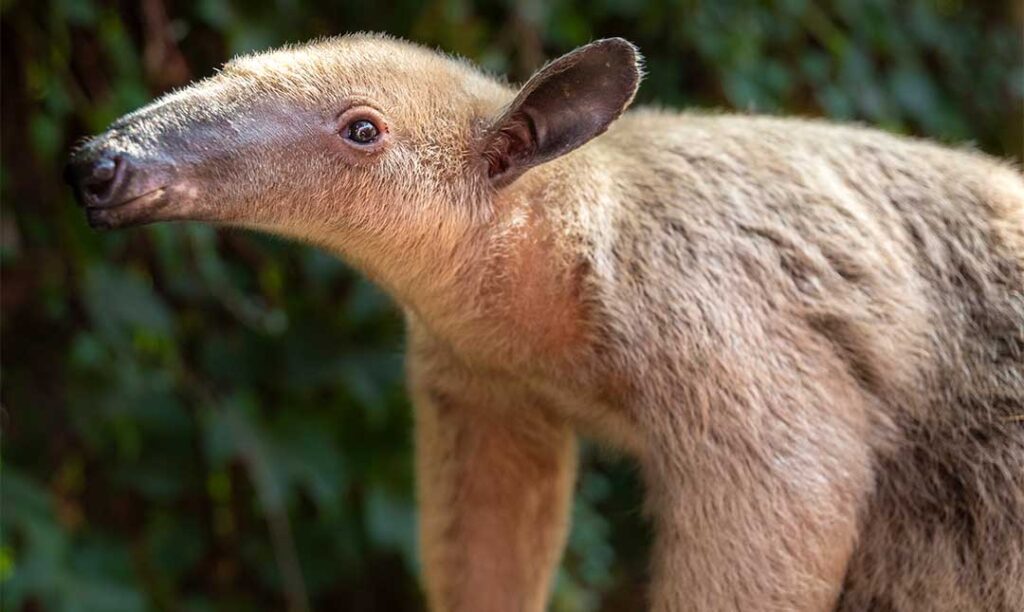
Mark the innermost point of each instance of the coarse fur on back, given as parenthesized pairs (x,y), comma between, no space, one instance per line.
(809,336)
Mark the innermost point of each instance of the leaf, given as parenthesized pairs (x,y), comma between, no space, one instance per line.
(392,523)
(310,455)
(120,303)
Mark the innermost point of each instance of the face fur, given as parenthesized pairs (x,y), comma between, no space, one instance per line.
(348,136)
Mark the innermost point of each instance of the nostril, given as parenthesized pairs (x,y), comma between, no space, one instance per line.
(98,191)
(104,170)
(102,178)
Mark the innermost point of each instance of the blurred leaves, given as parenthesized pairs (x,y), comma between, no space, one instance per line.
(213,420)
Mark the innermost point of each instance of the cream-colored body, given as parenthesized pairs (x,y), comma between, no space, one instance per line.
(755,309)
(810,337)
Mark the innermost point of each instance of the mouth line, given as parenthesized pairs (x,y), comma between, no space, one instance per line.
(132,200)
(139,210)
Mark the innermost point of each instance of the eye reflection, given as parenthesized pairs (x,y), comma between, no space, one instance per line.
(362,132)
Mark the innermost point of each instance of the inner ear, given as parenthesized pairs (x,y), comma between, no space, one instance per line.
(565,104)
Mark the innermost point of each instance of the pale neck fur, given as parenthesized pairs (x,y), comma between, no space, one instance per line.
(523,305)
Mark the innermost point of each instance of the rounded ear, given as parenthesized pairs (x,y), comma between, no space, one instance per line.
(565,104)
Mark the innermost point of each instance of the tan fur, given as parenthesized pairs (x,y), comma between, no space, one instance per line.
(810,336)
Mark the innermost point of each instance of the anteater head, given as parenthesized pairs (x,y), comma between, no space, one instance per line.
(357,142)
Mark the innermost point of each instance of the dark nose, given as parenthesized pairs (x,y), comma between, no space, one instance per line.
(96,179)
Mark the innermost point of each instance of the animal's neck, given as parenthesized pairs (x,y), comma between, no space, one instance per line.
(509,293)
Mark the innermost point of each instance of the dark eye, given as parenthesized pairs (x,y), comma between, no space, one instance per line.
(362,132)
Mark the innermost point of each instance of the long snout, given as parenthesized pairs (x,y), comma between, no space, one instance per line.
(115,189)
(193,155)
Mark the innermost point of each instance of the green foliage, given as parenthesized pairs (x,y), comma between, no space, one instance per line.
(201,420)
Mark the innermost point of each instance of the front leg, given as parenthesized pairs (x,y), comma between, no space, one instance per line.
(494,480)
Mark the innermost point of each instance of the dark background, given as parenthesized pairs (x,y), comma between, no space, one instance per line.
(215,420)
